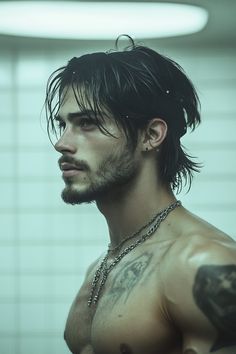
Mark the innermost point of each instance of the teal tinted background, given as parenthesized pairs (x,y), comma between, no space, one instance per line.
(46,246)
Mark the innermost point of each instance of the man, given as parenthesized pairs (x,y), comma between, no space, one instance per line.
(167,284)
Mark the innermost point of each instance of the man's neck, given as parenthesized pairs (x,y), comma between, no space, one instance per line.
(130,207)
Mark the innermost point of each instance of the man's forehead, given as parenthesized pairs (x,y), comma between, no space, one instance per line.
(68,96)
(69,102)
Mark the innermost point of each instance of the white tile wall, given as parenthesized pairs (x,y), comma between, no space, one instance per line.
(7,128)
(8,322)
(7,226)
(8,344)
(46,246)
(7,193)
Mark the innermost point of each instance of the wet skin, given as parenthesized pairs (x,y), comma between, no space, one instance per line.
(128,317)
(139,312)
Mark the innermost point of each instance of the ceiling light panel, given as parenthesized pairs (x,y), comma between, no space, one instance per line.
(99,20)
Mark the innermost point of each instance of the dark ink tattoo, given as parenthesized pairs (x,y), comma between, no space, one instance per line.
(214,292)
(125,349)
(130,275)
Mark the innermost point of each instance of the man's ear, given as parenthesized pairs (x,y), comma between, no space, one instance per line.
(154,134)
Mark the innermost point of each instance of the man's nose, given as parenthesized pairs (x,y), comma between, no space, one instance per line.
(65,144)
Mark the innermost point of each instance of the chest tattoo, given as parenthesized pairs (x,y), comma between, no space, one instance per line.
(214,292)
(128,277)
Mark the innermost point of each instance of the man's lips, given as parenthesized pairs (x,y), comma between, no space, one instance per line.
(70,170)
(65,166)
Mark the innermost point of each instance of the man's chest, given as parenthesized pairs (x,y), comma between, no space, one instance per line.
(128,317)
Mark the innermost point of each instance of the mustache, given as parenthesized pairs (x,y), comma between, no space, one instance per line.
(77,163)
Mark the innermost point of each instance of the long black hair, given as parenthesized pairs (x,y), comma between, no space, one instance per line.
(134,85)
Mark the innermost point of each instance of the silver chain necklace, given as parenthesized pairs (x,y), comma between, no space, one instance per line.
(103,270)
(116,248)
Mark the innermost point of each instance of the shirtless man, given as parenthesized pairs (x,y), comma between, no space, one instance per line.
(167,284)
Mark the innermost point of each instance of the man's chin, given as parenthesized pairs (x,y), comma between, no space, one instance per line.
(110,188)
(71,196)
(75,198)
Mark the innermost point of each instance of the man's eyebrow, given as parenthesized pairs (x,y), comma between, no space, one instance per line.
(87,113)
(70,116)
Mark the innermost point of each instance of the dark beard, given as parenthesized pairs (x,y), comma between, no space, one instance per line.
(113,175)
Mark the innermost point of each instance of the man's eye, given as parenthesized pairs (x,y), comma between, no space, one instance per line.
(86,123)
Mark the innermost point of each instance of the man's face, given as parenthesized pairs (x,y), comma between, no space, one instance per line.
(94,165)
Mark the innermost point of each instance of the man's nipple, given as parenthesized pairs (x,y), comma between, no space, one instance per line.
(125,349)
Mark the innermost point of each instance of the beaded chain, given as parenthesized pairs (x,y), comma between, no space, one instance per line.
(103,270)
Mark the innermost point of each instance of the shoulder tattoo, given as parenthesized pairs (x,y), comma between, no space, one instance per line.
(214,292)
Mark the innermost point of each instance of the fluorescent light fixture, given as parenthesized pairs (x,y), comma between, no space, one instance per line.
(99,20)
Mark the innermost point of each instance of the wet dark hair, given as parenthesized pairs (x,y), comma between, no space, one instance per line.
(134,85)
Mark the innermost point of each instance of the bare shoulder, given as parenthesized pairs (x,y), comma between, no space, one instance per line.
(199,242)
(199,277)
(203,253)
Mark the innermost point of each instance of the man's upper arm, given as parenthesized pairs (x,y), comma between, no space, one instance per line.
(201,298)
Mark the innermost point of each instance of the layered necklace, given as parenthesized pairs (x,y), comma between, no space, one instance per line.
(104,269)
